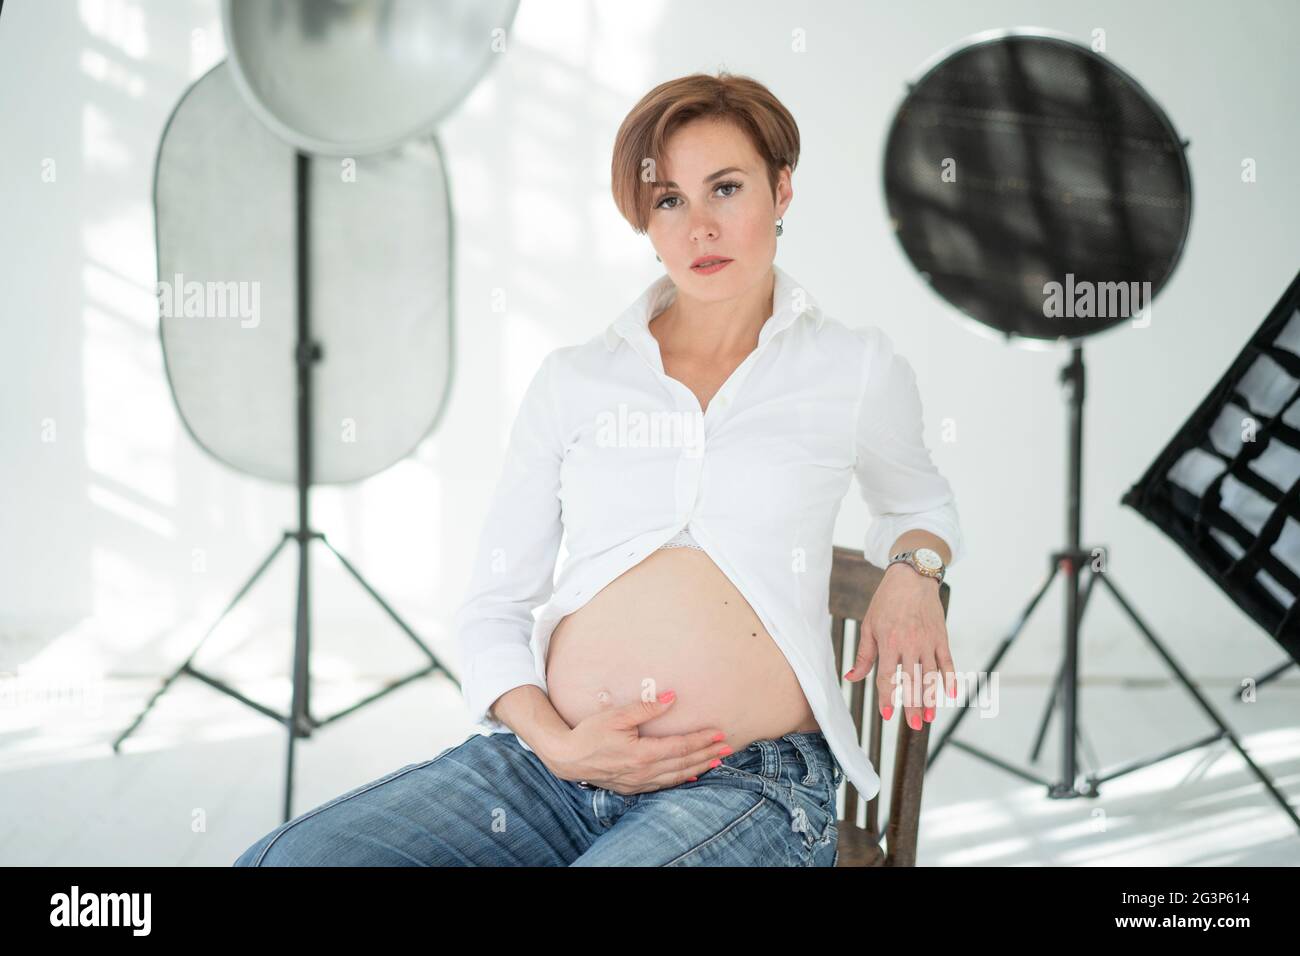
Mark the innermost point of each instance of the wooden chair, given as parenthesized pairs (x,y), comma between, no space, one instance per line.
(853,583)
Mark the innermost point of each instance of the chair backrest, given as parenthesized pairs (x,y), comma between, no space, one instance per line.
(853,584)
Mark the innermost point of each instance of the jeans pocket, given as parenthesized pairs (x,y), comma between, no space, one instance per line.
(743,764)
(727,772)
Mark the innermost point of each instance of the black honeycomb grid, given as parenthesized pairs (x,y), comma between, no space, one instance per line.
(1242,528)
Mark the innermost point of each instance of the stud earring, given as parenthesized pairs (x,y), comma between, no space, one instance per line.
(779,230)
(657,259)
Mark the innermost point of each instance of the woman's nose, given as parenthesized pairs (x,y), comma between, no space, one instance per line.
(704,230)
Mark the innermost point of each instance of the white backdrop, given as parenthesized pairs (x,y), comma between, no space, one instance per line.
(123,540)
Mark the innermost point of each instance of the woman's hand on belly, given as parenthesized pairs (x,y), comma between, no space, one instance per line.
(607,750)
(675,620)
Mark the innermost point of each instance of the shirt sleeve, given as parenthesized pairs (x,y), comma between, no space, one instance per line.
(514,567)
(899,482)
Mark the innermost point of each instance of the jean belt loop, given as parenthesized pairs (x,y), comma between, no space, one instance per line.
(769,756)
(811,762)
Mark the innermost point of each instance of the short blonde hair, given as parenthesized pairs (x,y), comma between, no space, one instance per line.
(737,99)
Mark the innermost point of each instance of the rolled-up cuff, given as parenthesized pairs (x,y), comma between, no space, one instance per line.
(888,528)
(490,674)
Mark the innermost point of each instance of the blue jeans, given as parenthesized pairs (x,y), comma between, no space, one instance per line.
(490,802)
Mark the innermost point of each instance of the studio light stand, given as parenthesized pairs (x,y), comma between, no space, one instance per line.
(1021,161)
(1072,562)
(299,721)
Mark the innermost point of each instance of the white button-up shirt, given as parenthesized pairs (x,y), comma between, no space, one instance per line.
(612,454)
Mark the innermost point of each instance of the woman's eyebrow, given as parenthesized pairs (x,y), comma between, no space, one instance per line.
(669,184)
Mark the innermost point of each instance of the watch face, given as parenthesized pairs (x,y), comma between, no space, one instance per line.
(928,559)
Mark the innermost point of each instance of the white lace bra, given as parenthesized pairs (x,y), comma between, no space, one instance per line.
(682,539)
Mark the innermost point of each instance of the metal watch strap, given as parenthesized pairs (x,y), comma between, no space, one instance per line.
(904,557)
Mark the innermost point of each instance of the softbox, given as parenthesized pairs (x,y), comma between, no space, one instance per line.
(1227,487)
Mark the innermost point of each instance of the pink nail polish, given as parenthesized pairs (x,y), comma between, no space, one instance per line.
(667,696)
(724,751)
(692,778)
(914,722)
(929,714)
(887,712)
(719,736)
(715,762)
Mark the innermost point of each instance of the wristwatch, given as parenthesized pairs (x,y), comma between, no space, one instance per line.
(924,561)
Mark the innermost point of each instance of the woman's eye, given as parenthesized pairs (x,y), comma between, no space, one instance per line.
(726,185)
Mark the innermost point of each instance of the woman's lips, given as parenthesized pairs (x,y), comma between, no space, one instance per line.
(711,267)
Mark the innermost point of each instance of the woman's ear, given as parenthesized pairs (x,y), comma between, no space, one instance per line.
(784,192)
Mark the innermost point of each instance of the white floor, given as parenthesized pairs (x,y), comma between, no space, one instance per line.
(203,776)
(1204,807)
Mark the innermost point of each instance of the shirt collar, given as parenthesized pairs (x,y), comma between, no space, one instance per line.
(788,296)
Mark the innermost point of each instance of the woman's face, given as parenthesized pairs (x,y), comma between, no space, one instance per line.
(714,200)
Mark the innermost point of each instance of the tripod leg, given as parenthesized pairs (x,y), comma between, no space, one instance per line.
(1265,678)
(1042,730)
(298,720)
(1200,699)
(194,653)
(391,613)
(1047,715)
(997,656)
(1056,683)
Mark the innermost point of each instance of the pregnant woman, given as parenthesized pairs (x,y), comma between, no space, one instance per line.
(675,702)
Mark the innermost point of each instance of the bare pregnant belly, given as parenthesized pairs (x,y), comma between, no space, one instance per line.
(675,621)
